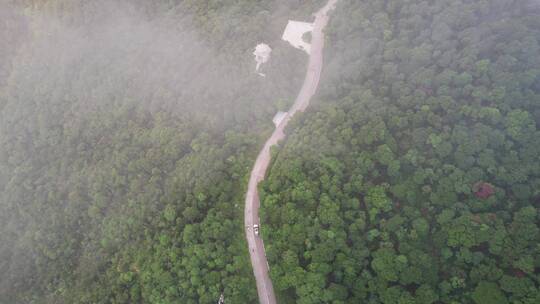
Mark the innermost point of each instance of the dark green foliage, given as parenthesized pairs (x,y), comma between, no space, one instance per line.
(374,191)
(487,292)
(127,129)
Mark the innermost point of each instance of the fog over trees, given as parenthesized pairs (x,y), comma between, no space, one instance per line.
(126,131)
(128,128)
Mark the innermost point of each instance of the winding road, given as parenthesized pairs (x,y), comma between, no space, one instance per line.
(251,211)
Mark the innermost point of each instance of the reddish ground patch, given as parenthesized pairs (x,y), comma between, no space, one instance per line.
(483,190)
(518,273)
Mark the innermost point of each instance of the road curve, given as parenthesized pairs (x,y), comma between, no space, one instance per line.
(251,212)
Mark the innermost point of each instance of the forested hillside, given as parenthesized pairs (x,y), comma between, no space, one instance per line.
(127,129)
(416,178)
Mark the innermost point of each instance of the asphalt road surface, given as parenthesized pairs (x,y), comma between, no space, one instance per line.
(251,212)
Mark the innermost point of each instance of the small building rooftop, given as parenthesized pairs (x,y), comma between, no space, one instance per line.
(278,118)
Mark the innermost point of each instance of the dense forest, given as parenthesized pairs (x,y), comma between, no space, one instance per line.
(127,129)
(416,177)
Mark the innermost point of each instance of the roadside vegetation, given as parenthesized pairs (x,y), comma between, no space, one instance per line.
(415,179)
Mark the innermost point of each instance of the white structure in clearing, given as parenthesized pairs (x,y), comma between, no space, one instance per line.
(294,32)
(279,118)
(262,54)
